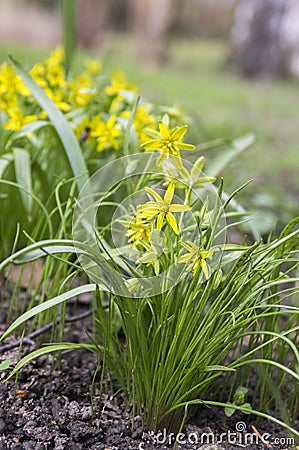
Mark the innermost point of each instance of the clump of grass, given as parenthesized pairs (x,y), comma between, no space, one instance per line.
(230,318)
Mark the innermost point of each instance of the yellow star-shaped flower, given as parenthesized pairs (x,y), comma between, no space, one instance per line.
(138,232)
(169,142)
(161,208)
(196,257)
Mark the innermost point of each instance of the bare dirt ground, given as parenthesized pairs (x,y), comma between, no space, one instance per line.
(65,406)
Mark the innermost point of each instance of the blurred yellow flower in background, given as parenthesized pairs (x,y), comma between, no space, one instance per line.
(17,119)
(93,66)
(107,134)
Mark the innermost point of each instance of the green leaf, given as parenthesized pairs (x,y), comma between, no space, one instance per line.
(4,161)
(219,367)
(240,394)
(65,346)
(44,251)
(23,177)
(29,128)
(129,126)
(64,131)
(247,406)
(229,410)
(4,365)
(219,142)
(289,227)
(47,305)
(216,166)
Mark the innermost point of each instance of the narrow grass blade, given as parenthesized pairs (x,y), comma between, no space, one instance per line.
(68,30)
(36,199)
(47,305)
(4,161)
(26,130)
(23,177)
(219,163)
(64,346)
(129,126)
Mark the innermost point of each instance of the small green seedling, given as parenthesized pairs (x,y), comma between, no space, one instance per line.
(239,400)
(4,365)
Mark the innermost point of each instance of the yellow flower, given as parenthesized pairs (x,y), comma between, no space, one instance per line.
(55,75)
(80,88)
(93,66)
(196,257)
(17,119)
(10,82)
(58,98)
(142,120)
(57,56)
(118,84)
(83,130)
(161,208)
(38,73)
(169,142)
(139,232)
(8,101)
(150,258)
(107,134)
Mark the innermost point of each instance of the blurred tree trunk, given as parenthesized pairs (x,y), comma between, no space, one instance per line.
(265,37)
(91,19)
(151,23)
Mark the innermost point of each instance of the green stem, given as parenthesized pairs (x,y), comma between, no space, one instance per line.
(68,30)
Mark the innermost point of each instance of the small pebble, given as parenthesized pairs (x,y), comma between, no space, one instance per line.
(31,424)
(137,434)
(29,446)
(40,447)
(17,446)
(2,425)
(86,413)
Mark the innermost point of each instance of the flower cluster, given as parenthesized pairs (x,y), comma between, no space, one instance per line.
(155,229)
(97,106)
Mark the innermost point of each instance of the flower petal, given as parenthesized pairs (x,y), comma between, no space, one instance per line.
(160,221)
(204,267)
(169,194)
(153,145)
(164,130)
(148,257)
(156,196)
(179,208)
(172,222)
(184,258)
(187,246)
(178,133)
(183,146)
